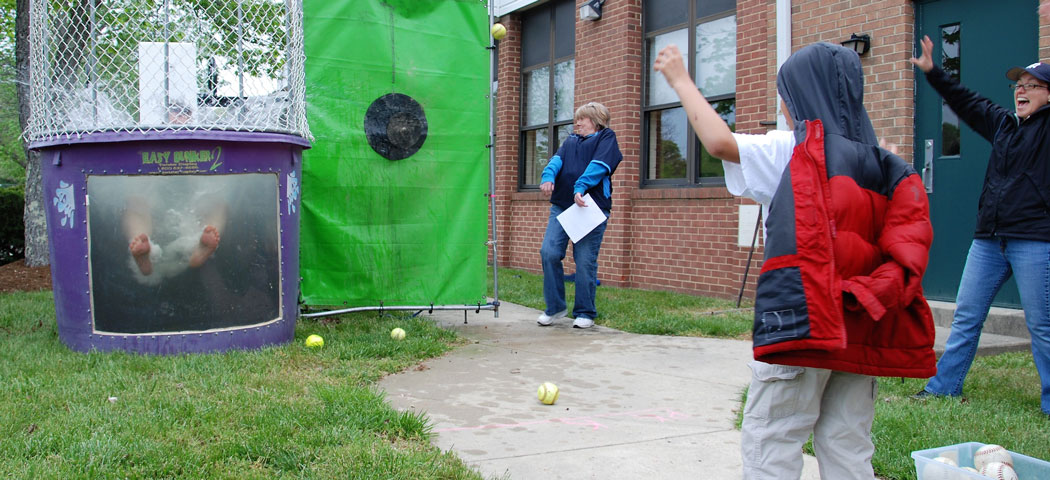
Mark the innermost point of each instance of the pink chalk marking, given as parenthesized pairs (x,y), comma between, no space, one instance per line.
(660,415)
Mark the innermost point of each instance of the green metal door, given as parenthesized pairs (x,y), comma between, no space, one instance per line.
(977,41)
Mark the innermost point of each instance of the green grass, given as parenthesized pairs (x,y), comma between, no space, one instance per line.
(1001,405)
(293,412)
(280,412)
(640,311)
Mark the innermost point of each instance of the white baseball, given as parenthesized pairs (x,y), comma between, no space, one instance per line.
(999,471)
(939,469)
(991,453)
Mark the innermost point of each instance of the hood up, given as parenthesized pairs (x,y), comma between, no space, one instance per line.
(825,82)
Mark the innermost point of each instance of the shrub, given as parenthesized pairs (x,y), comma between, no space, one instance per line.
(12,228)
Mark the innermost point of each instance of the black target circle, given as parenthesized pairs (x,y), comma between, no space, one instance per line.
(395,126)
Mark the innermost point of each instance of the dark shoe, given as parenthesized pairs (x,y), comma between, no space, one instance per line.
(923,395)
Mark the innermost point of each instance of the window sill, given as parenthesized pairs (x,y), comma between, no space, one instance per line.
(671,193)
(652,193)
(529,196)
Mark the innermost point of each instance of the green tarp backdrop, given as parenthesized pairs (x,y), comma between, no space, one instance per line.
(407,231)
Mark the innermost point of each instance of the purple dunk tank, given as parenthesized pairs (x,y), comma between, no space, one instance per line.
(174,242)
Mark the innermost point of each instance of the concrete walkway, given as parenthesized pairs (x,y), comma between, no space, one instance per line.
(1004,330)
(630,406)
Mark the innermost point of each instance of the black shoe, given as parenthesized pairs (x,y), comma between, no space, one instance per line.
(923,395)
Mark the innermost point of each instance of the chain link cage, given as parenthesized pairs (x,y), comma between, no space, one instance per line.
(165,65)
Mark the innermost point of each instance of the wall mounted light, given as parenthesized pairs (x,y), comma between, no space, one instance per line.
(592,10)
(858,43)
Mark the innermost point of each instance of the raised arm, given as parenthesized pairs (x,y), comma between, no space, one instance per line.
(714,133)
(979,112)
(925,61)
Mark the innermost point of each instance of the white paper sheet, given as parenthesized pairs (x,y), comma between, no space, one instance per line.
(578,221)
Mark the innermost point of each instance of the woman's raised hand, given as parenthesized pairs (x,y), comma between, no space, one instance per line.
(925,61)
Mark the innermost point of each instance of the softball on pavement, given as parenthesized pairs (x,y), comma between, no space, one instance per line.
(498,31)
(314,341)
(548,393)
(991,453)
(397,334)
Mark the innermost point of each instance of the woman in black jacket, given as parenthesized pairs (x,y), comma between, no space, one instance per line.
(1013,218)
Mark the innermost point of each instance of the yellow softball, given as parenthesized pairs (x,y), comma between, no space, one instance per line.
(548,393)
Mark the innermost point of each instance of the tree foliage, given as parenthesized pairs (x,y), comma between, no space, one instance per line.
(12,155)
(249,35)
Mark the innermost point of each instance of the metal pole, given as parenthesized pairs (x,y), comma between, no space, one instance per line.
(492,164)
(240,63)
(747,268)
(92,64)
(167,59)
(381,308)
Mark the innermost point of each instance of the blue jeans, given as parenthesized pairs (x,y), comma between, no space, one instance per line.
(988,265)
(584,252)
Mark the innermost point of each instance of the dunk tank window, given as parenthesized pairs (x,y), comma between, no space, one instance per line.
(178,253)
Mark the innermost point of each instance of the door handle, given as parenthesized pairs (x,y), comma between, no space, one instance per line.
(927,167)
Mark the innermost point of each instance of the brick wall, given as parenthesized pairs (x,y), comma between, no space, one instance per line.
(685,239)
(609,71)
(889,76)
(1044,39)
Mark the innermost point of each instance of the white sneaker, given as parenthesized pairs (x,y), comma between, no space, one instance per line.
(583,322)
(546,320)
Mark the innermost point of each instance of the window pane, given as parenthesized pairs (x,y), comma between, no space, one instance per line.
(951,63)
(710,7)
(564,29)
(711,166)
(716,56)
(563,133)
(564,78)
(664,13)
(537,96)
(659,91)
(668,143)
(536,37)
(537,155)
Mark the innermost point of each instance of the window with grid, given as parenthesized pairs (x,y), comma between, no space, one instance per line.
(705,32)
(548,72)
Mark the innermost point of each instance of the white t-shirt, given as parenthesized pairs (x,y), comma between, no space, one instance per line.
(762,162)
(763,159)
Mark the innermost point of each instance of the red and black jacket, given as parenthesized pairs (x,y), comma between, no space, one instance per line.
(848,236)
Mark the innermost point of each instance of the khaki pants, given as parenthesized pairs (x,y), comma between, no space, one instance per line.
(785,404)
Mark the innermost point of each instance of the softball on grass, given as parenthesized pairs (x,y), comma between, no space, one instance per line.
(314,341)
(548,393)
(498,31)
(397,334)
(991,453)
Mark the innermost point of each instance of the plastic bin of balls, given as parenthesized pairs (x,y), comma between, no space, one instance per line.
(979,461)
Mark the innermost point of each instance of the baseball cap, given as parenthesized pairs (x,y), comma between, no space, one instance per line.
(1037,69)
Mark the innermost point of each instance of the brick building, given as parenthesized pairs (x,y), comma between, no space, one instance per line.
(674,226)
